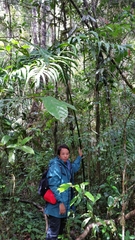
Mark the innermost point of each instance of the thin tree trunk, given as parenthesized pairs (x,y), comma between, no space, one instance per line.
(6,6)
(108,99)
(34,26)
(97,98)
(55,131)
(43,30)
(8,14)
(124,180)
(54,24)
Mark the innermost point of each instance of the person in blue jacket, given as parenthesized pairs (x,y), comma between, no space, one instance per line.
(61,171)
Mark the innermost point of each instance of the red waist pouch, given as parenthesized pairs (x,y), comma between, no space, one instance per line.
(49,197)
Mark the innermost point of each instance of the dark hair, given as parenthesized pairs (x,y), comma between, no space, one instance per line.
(62,146)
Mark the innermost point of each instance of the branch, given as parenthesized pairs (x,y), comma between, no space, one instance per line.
(80,14)
(108,222)
(90,226)
(130,215)
(121,73)
(39,207)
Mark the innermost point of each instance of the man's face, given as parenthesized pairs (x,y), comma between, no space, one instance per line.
(64,154)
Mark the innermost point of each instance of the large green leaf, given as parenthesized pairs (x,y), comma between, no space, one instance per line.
(5,139)
(86,221)
(64,187)
(90,196)
(78,188)
(73,200)
(25,140)
(110,201)
(58,109)
(26,149)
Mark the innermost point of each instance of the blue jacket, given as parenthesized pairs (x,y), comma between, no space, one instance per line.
(60,173)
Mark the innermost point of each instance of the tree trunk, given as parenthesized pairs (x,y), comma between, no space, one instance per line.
(9,20)
(43,30)
(34,26)
(97,112)
(55,131)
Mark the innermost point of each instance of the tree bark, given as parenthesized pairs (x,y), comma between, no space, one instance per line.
(9,22)
(43,30)
(34,26)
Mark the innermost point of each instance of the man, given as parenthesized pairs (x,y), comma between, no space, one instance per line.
(60,171)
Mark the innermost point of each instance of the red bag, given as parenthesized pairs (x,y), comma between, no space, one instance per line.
(49,197)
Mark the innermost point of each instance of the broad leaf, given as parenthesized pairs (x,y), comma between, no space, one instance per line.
(5,139)
(58,109)
(73,200)
(64,187)
(86,221)
(89,196)
(26,149)
(78,188)
(110,201)
(25,140)
(14,146)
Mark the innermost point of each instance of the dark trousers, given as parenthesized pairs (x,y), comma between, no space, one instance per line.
(55,227)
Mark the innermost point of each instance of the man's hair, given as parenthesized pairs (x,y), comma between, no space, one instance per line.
(62,146)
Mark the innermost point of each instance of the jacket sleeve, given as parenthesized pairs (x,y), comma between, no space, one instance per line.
(54,180)
(76,164)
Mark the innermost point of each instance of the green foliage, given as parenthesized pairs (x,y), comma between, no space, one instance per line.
(96,63)
(58,109)
(63,187)
(42,65)
(127,236)
(12,144)
(23,221)
(89,201)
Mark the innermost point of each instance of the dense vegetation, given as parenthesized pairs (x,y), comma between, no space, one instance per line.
(67,76)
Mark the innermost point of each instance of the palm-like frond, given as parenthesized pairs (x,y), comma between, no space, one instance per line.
(46,67)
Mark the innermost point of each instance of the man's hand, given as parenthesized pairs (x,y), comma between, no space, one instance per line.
(62,208)
(80,152)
